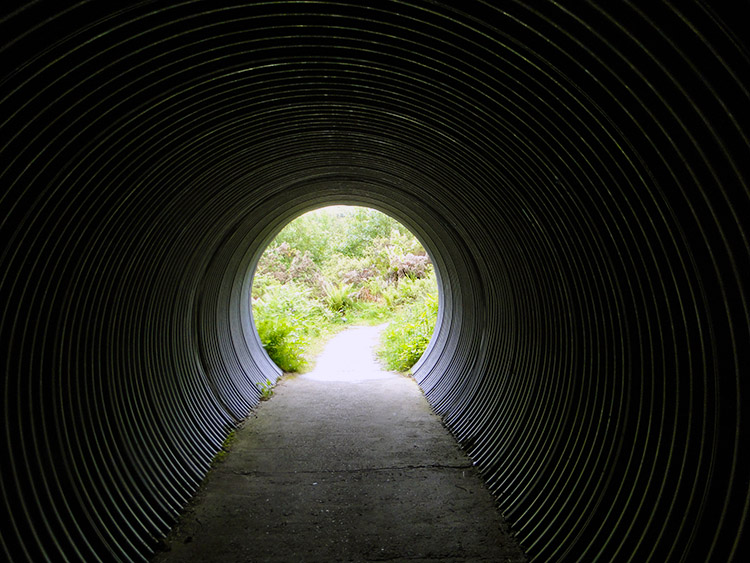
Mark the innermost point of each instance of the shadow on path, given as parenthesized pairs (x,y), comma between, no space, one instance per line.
(346,463)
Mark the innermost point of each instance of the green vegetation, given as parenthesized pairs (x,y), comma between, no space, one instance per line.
(266,389)
(407,336)
(339,266)
(225,447)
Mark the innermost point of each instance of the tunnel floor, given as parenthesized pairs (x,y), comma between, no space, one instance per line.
(337,469)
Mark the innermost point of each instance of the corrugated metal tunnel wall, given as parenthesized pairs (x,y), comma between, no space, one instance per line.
(578,170)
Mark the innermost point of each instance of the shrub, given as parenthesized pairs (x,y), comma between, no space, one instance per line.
(309,233)
(407,336)
(365,226)
(261,283)
(283,341)
(339,266)
(286,264)
(339,298)
(285,317)
(410,266)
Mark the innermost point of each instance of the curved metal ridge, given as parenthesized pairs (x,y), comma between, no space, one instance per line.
(578,171)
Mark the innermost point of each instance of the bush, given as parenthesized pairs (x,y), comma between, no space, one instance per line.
(409,333)
(339,266)
(365,226)
(371,312)
(309,233)
(339,298)
(286,264)
(410,266)
(283,342)
(286,317)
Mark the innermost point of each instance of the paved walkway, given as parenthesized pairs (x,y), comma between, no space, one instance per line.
(343,464)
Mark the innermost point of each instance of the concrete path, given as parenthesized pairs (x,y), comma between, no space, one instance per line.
(346,463)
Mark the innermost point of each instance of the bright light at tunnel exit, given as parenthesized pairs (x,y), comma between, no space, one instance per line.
(341,267)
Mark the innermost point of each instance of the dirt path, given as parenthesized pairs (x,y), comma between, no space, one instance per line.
(347,463)
(350,356)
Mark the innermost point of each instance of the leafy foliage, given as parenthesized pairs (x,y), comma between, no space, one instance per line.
(309,234)
(285,264)
(284,317)
(339,298)
(366,226)
(409,333)
(266,389)
(333,267)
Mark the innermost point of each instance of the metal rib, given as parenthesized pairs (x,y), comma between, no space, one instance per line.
(578,172)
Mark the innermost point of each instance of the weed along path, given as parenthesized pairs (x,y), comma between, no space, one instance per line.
(346,463)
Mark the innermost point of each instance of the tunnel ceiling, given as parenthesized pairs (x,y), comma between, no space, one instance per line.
(578,171)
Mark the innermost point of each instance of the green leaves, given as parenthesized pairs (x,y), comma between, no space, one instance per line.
(364,226)
(336,266)
(266,389)
(409,333)
(339,297)
(283,318)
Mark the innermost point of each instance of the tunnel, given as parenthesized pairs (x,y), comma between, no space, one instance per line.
(578,172)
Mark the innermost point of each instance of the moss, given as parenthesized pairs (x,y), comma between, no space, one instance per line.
(222,454)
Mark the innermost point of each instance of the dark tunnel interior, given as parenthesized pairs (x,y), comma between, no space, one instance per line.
(578,171)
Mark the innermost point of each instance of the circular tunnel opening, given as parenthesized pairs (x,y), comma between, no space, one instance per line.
(432,221)
(578,172)
(338,267)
